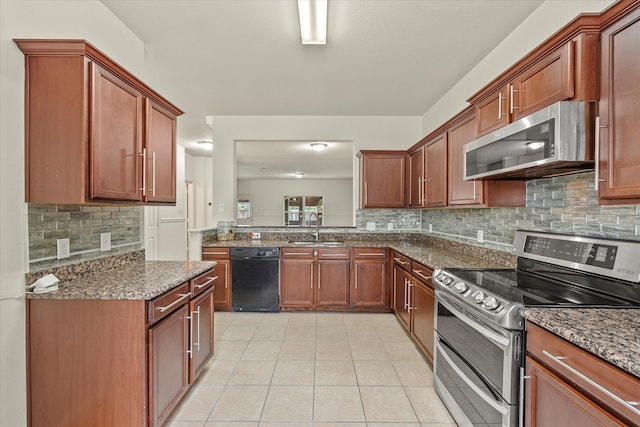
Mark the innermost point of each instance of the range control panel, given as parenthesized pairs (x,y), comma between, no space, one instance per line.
(612,258)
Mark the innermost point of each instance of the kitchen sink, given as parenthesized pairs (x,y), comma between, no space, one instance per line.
(316,243)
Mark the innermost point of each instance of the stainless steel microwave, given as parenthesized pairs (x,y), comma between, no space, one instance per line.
(549,142)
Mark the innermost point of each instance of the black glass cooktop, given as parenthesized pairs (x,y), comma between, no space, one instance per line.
(547,286)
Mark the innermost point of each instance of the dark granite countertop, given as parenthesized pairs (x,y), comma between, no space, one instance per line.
(144,280)
(431,255)
(611,334)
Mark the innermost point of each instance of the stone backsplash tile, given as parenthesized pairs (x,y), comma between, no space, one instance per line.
(83,225)
(566,204)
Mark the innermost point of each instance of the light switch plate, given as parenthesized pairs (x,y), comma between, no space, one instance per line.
(105,242)
(64,248)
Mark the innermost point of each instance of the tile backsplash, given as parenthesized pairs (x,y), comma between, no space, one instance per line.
(82,224)
(565,204)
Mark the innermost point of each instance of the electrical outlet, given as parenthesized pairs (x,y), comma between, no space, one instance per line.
(64,248)
(105,242)
(430,228)
(480,236)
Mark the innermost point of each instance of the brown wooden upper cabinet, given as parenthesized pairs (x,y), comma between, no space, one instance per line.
(382,178)
(618,172)
(94,132)
(428,173)
(476,192)
(542,78)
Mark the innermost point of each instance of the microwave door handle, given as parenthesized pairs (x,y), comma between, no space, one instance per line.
(499,340)
(474,387)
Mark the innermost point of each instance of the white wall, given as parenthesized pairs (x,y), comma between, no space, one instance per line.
(267,198)
(542,23)
(34,19)
(383,133)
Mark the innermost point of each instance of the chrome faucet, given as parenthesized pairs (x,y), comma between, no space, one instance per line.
(316,234)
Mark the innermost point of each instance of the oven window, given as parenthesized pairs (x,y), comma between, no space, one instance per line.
(475,408)
(483,354)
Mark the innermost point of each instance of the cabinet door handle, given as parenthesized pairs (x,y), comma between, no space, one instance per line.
(311,277)
(406,293)
(356,277)
(211,279)
(366,192)
(628,404)
(153,173)
(167,307)
(512,104)
(144,171)
(500,105)
(410,285)
(319,266)
(596,159)
(226,276)
(198,329)
(190,350)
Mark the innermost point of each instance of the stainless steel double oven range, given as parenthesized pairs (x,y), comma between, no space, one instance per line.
(480,334)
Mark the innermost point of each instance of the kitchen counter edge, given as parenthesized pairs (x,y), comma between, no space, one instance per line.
(610,334)
(140,281)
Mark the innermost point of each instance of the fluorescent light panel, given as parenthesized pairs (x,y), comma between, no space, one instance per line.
(313,21)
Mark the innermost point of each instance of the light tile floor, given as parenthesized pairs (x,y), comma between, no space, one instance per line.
(312,370)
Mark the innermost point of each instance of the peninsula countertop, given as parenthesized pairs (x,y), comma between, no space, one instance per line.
(432,256)
(611,334)
(143,280)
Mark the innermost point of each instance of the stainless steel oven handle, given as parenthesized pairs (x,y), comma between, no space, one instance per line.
(470,383)
(488,333)
(558,360)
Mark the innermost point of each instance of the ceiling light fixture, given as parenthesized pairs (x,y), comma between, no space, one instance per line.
(298,174)
(207,145)
(313,21)
(319,146)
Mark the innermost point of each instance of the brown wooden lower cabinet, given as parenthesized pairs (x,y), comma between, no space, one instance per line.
(116,362)
(414,300)
(315,278)
(570,387)
(222,270)
(401,282)
(369,288)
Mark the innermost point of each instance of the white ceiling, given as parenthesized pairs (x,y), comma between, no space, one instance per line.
(244,57)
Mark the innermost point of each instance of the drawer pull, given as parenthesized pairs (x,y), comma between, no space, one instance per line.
(297,254)
(558,359)
(399,261)
(166,307)
(211,279)
(214,253)
(418,272)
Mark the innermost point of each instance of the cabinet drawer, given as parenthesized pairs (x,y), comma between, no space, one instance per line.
(297,253)
(592,376)
(334,253)
(422,272)
(214,253)
(401,261)
(370,253)
(203,282)
(168,302)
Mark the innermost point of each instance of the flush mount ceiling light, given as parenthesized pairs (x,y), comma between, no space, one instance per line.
(313,21)
(319,146)
(207,145)
(298,174)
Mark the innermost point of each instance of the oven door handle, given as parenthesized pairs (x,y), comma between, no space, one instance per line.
(491,402)
(488,333)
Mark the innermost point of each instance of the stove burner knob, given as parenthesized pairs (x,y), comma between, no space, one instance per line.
(491,303)
(461,287)
(446,280)
(478,296)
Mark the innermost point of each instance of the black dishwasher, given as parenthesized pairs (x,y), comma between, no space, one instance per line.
(255,278)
